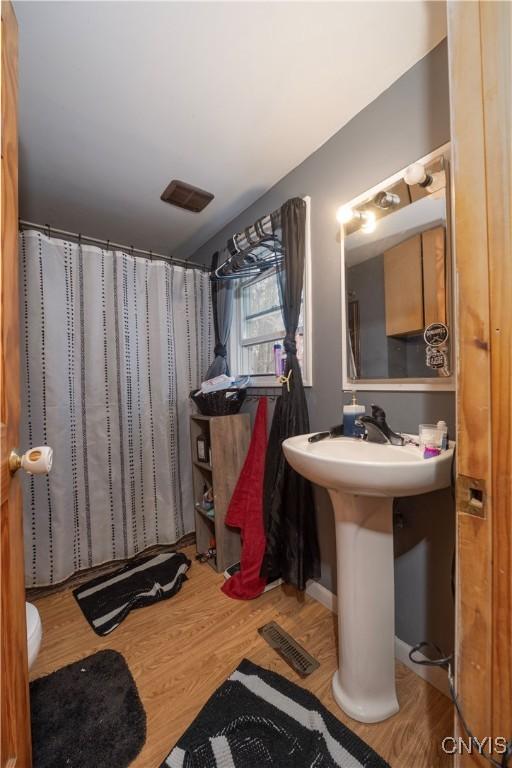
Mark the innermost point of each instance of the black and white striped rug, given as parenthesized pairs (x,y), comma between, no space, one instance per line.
(258,718)
(107,600)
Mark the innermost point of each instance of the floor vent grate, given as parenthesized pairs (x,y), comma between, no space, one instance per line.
(289,649)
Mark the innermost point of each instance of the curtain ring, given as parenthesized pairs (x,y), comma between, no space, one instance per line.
(108,245)
(131,250)
(49,230)
(150,255)
(80,239)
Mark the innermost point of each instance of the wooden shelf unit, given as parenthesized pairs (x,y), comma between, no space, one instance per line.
(229,438)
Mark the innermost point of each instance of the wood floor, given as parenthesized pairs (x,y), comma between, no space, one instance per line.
(179,651)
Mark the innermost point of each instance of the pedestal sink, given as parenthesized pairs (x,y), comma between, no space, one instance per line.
(362,479)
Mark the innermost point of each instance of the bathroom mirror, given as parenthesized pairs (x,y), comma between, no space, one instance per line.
(397,312)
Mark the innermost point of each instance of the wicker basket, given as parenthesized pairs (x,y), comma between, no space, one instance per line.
(226,402)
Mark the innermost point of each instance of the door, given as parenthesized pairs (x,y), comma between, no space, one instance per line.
(480,53)
(15,748)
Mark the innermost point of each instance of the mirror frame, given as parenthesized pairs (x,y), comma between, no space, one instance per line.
(441,384)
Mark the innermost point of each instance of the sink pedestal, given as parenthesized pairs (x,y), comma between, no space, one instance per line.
(364,684)
(362,479)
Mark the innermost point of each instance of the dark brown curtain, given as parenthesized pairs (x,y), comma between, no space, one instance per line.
(292,545)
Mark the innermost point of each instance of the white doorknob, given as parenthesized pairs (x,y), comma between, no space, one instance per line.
(36,461)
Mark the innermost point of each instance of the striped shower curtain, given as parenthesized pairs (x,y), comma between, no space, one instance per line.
(111,346)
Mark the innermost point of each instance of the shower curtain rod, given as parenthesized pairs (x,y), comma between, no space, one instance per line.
(127,248)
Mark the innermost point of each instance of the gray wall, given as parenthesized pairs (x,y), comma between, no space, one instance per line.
(407,121)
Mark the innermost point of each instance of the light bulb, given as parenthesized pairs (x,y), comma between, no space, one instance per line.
(415,174)
(386,200)
(369,221)
(344,214)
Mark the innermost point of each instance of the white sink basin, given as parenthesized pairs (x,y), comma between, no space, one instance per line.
(362,479)
(371,469)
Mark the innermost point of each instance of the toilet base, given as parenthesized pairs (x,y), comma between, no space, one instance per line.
(34,632)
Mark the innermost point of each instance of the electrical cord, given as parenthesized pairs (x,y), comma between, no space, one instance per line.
(446,662)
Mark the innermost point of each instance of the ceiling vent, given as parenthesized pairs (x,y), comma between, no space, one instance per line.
(186,196)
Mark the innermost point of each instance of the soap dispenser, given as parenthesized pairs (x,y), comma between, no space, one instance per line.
(350,414)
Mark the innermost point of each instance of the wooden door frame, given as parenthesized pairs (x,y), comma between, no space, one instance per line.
(479,43)
(15,746)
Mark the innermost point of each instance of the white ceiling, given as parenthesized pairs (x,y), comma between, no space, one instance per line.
(118,98)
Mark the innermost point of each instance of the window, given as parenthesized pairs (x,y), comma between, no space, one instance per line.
(258,325)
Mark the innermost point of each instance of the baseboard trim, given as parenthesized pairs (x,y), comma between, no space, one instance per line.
(322,595)
(433,675)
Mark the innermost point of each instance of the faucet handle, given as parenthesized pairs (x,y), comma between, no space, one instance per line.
(378,414)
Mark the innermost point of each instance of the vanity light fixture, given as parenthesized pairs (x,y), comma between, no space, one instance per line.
(344,214)
(367,219)
(386,200)
(416,174)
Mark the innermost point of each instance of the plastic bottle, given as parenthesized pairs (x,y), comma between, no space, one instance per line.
(442,425)
(277,360)
(284,358)
(350,414)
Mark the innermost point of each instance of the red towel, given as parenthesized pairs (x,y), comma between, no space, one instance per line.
(245,511)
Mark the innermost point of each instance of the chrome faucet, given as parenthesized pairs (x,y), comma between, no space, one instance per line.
(377,430)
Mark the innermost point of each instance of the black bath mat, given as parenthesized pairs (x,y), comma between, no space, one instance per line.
(107,600)
(87,715)
(259,718)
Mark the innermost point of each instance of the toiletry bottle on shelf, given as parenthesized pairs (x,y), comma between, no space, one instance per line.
(350,414)
(277,360)
(203,449)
